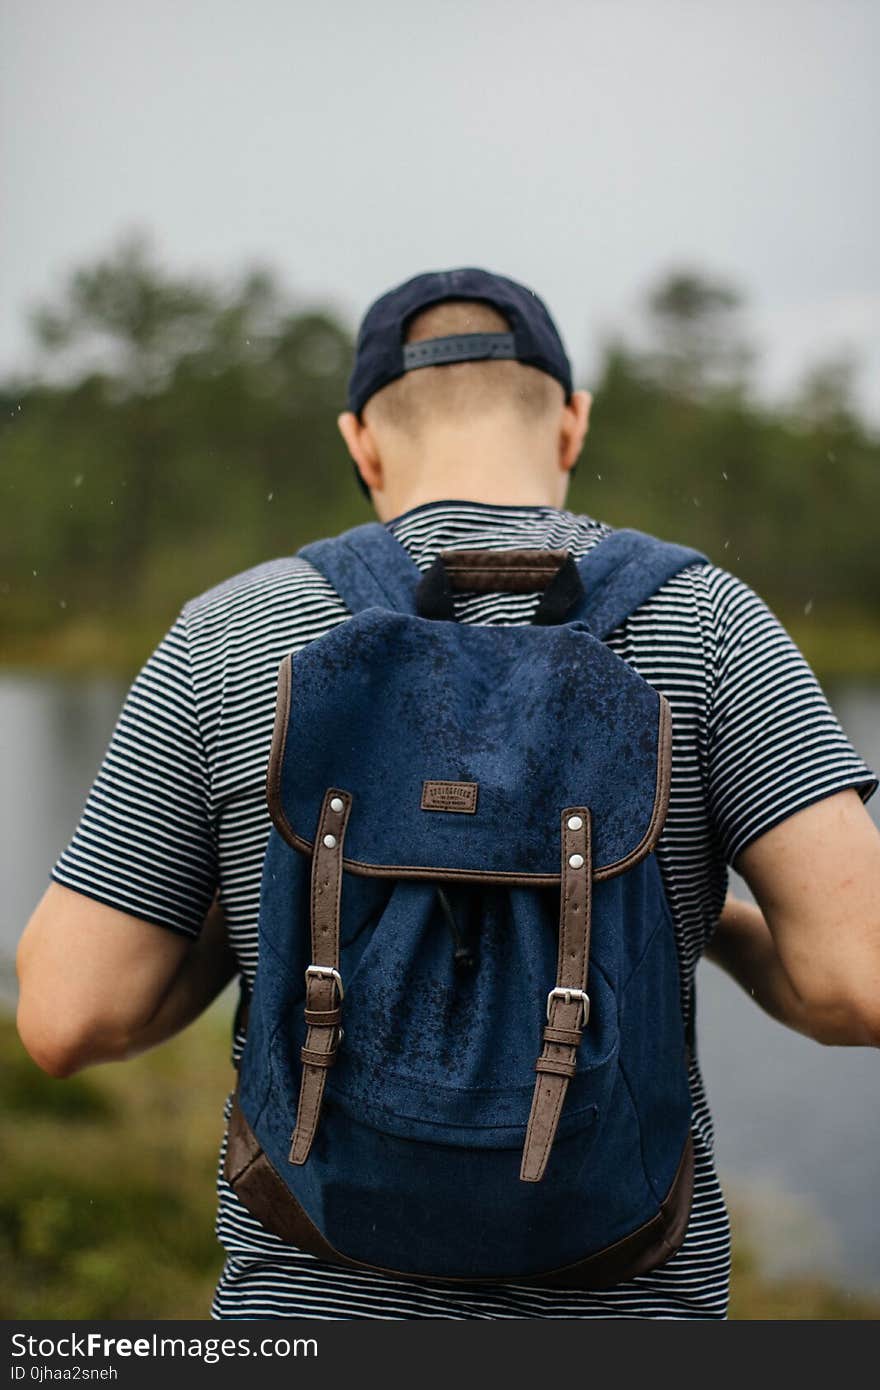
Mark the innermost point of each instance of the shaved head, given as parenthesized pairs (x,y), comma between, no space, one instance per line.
(461,391)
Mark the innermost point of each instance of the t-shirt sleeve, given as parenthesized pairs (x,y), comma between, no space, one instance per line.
(774,744)
(146,841)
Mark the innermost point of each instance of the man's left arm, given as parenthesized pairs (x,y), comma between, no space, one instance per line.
(99,985)
(128,944)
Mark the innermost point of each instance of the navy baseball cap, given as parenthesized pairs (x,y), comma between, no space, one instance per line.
(381,355)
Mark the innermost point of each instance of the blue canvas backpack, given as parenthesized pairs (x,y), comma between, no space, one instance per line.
(466,1056)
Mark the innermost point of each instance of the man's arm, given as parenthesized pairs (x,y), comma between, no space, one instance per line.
(98,985)
(810,952)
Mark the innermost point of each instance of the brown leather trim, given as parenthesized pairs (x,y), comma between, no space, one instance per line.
(512,877)
(264,1194)
(279,743)
(502,571)
(242,1146)
(661,797)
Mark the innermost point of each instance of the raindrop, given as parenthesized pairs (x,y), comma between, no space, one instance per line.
(599,476)
(78,479)
(696,501)
(724,475)
(726,544)
(62,603)
(35,574)
(808,607)
(269,496)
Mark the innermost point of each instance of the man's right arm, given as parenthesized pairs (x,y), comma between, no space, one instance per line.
(809,953)
(786,792)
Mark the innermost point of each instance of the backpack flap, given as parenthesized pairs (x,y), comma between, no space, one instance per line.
(460,744)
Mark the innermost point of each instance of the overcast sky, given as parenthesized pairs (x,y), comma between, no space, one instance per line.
(584,146)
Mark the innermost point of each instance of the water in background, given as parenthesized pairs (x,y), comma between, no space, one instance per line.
(797,1125)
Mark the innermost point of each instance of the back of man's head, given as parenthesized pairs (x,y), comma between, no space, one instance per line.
(461,387)
(462,392)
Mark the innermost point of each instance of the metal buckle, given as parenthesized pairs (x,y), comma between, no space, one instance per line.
(568,994)
(328,973)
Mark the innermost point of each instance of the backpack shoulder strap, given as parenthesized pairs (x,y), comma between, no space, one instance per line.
(368,567)
(622,572)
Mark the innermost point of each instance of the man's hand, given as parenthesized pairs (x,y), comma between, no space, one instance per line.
(809,954)
(97,985)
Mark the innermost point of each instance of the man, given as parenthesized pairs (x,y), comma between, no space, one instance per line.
(159,886)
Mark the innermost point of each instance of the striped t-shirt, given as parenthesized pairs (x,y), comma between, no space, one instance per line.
(178,809)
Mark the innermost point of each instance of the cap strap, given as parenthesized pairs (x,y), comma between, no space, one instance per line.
(461,347)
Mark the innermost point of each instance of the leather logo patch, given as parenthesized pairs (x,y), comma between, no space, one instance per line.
(450,796)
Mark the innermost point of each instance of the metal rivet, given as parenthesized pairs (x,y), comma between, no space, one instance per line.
(336,804)
(574,822)
(576,861)
(330,842)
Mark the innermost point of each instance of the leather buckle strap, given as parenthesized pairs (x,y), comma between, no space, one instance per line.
(328,1017)
(558,992)
(568,1004)
(324,991)
(326,972)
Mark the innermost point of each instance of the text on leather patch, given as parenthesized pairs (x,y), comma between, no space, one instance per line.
(450,796)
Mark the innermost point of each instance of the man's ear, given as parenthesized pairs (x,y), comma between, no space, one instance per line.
(362,446)
(573,428)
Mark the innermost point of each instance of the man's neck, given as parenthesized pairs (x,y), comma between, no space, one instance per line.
(518,488)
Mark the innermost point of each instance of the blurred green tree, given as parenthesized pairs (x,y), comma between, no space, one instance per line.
(699,345)
(179,429)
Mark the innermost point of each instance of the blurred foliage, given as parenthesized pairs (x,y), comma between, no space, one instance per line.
(176,431)
(26,1091)
(107,1210)
(107,1188)
(802,1297)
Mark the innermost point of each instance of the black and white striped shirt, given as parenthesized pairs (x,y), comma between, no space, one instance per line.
(178,808)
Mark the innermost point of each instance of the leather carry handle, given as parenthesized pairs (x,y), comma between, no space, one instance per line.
(553,573)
